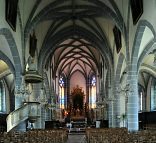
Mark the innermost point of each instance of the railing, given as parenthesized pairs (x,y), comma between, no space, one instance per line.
(30,110)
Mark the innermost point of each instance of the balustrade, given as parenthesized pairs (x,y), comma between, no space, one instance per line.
(30,111)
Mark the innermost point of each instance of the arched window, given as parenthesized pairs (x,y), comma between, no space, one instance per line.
(93,92)
(2,96)
(153,95)
(141,98)
(61,92)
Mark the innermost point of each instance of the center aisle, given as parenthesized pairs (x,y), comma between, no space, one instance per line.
(76,138)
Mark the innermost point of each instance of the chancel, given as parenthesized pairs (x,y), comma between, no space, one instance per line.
(77,71)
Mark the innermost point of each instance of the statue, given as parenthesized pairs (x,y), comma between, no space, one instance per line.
(32,61)
(32,64)
(77,112)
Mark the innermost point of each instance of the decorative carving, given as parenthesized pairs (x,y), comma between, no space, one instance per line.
(77,90)
(77,98)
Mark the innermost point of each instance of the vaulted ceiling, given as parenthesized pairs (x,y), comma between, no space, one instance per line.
(76,55)
(76,33)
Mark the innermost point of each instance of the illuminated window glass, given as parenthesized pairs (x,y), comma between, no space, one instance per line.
(2,96)
(93,92)
(153,95)
(140,99)
(61,92)
(93,81)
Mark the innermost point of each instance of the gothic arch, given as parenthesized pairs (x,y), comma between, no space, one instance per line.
(13,48)
(138,37)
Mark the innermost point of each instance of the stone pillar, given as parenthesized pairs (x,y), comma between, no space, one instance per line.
(144,94)
(87,97)
(65,93)
(110,114)
(110,109)
(116,106)
(18,98)
(36,92)
(87,90)
(110,99)
(68,93)
(53,99)
(132,106)
(18,95)
(97,87)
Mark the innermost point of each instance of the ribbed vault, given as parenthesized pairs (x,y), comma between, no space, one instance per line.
(89,23)
(76,55)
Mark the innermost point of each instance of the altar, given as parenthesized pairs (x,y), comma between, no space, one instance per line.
(78,101)
(78,124)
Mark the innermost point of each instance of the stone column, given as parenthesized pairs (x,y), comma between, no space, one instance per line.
(68,93)
(53,100)
(19,97)
(132,106)
(87,90)
(110,114)
(36,93)
(110,100)
(116,106)
(97,87)
(65,93)
(18,94)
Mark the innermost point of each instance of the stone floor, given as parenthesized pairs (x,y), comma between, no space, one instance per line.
(76,138)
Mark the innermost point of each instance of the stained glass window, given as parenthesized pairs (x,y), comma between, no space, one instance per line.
(2,96)
(153,95)
(61,92)
(93,92)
